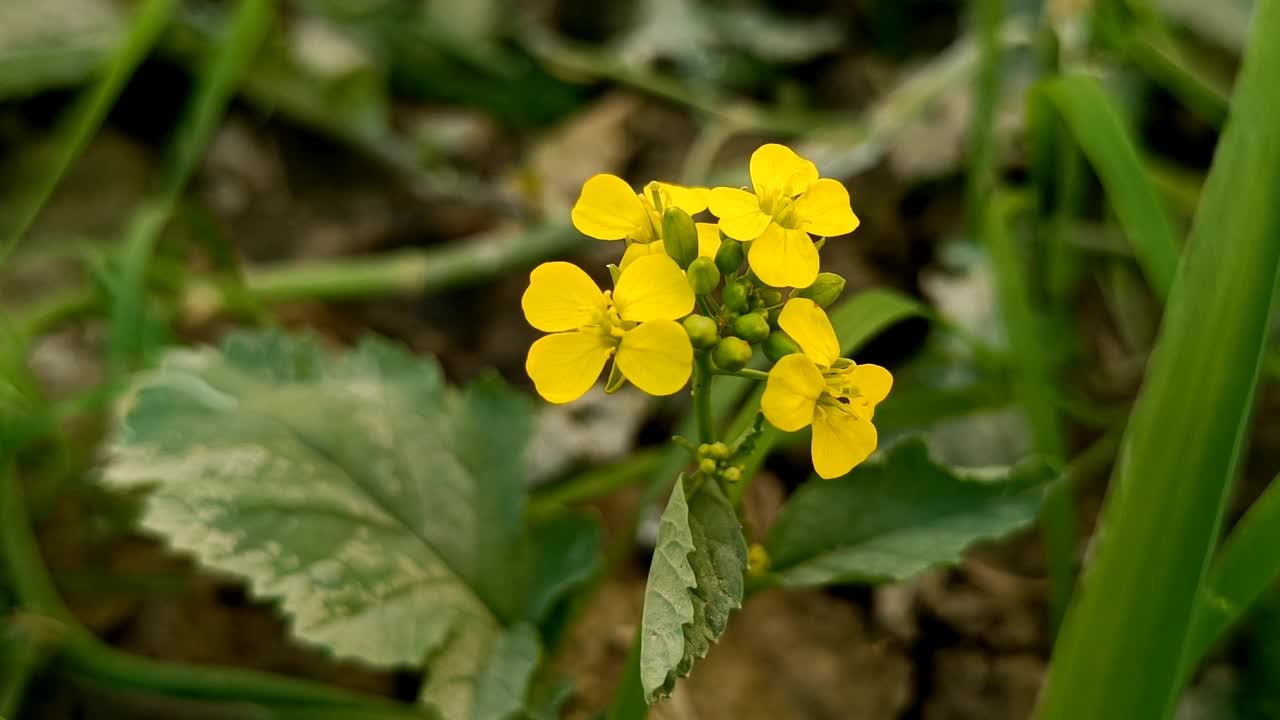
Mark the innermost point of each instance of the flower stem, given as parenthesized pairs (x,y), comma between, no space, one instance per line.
(702,375)
(747,373)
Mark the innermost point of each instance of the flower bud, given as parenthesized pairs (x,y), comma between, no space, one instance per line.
(703,276)
(825,290)
(679,236)
(732,474)
(779,345)
(730,256)
(702,331)
(770,296)
(736,295)
(707,466)
(718,450)
(731,354)
(752,327)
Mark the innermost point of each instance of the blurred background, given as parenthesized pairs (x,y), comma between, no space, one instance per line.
(397,167)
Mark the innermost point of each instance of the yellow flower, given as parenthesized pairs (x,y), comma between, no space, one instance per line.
(608,209)
(636,321)
(708,244)
(817,387)
(790,202)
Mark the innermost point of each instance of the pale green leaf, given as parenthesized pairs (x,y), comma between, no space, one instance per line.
(891,519)
(695,581)
(374,504)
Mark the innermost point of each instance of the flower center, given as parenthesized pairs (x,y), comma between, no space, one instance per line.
(781,208)
(608,322)
(841,395)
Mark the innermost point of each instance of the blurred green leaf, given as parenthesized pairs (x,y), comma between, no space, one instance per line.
(1182,445)
(892,519)
(695,581)
(381,509)
(47,44)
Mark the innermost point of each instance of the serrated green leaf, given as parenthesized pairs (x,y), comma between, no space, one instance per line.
(695,582)
(356,490)
(889,520)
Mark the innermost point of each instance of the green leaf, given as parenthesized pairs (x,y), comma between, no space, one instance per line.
(1182,445)
(1097,128)
(892,519)
(565,551)
(695,581)
(375,504)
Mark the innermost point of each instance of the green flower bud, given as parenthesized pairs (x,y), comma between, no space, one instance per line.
(732,474)
(679,236)
(825,290)
(779,345)
(718,450)
(704,276)
(736,295)
(707,466)
(702,331)
(770,296)
(752,327)
(730,256)
(731,354)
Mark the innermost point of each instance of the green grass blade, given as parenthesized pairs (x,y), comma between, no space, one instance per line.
(1034,388)
(87,117)
(1133,197)
(245,32)
(1246,567)
(1120,652)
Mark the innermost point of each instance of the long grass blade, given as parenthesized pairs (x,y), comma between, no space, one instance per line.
(1133,197)
(1246,567)
(87,117)
(1120,652)
(245,32)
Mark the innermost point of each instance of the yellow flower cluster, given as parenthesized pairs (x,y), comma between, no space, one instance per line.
(673,265)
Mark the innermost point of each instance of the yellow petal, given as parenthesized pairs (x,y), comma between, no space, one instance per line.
(565,365)
(639,250)
(561,297)
(808,325)
(784,258)
(708,239)
(824,209)
(692,200)
(840,441)
(873,383)
(739,211)
(776,169)
(608,209)
(656,357)
(791,393)
(653,287)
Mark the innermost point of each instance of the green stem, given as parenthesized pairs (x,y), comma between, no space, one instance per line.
(464,262)
(594,483)
(702,376)
(748,373)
